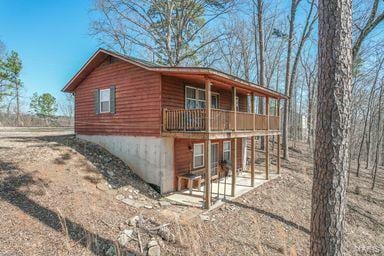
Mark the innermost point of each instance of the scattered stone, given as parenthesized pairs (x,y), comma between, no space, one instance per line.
(164,203)
(111,173)
(153,248)
(128,232)
(102,186)
(120,197)
(204,217)
(133,221)
(123,239)
(111,251)
(130,197)
(166,234)
(132,203)
(148,206)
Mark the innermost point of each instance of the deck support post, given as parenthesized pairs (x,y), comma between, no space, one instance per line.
(207,163)
(267,140)
(253,161)
(253,111)
(234,165)
(207,144)
(266,157)
(234,108)
(278,154)
(278,162)
(208,100)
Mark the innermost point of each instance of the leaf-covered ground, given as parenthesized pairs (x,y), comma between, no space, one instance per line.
(61,196)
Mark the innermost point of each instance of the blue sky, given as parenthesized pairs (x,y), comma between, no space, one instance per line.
(52,39)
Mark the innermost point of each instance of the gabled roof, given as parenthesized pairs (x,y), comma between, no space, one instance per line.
(101,54)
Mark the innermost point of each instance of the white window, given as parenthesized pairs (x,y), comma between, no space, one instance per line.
(215,100)
(227,151)
(198,155)
(195,98)
(105,100)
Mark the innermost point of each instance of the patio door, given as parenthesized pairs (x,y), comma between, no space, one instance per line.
(214,158)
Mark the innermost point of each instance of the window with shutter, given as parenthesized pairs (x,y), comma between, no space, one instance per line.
(105,100)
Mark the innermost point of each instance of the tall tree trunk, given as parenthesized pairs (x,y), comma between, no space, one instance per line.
(368,144)
(371,93)
(332,128)
(379,138)
(294,4)
(260,30)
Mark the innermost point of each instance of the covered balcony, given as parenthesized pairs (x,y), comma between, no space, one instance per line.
(194,120)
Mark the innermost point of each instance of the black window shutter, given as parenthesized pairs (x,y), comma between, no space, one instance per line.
(112,99)
(97,101)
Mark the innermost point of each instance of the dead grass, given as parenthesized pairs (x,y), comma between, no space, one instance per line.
(51,205)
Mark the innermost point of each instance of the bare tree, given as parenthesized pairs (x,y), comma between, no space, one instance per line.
(290,76)
(380,135)
(67,107)
(368,112)
(169,30)
(332,128)
(366,27)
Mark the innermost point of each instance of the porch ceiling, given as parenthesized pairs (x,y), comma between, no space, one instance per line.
(218,82)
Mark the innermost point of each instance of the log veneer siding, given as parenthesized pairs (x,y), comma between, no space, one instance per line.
(137,106)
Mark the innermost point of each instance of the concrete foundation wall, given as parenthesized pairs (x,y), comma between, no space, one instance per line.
(150,158)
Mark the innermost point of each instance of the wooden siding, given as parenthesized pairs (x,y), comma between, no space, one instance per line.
(183,156)
(173,94)
(138,101)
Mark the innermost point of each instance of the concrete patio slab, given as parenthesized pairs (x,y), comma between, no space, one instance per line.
(221,190)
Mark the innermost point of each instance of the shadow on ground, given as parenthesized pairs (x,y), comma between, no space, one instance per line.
(113,170)
(273,216)
(10,192)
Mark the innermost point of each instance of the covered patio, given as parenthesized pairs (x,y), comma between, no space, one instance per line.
(224,189)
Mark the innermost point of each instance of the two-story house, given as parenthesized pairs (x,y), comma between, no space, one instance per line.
(166,122)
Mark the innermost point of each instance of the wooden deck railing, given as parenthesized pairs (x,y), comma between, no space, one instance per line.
(185,120)
(244,121)
(222,120)
(274,123)
(261,122)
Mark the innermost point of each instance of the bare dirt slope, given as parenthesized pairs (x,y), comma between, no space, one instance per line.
(59,196)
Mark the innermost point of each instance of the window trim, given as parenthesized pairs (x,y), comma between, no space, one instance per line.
(196,99)
(230,149)
(109,100)
(194,156)
(218,99)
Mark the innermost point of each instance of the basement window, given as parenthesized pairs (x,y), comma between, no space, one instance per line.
(227,151)
(105,100)
(198,155)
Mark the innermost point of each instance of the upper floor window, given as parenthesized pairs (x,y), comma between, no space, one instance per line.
(195,98)
(105,97)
